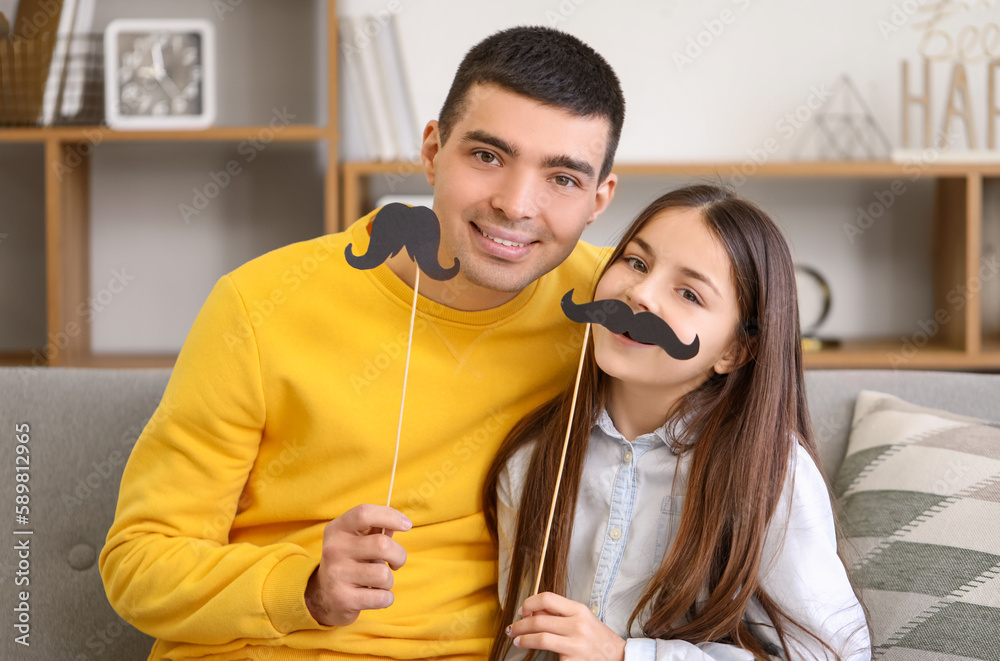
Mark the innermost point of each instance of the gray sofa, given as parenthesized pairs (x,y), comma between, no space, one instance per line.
(83,423)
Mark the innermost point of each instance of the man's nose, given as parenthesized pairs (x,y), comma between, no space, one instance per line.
(520,196)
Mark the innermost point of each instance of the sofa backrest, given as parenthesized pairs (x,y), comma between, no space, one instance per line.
(831,395)
(82,424)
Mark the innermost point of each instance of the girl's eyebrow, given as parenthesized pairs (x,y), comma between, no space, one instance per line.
(697,275)
(685,270)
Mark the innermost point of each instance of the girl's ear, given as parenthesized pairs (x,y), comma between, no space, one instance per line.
(741,351)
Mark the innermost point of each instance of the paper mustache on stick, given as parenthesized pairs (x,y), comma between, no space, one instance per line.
(397,226)
(617,317)
(643,327)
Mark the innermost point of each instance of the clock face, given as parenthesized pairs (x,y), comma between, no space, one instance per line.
(160,73)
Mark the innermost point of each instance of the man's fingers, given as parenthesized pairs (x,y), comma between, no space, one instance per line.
(364,518)
(372,575)
(379,548)
(370,599)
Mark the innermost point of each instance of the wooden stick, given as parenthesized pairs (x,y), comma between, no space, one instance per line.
(562,460)
(406,375)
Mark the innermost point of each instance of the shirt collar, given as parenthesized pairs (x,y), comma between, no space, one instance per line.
(663,434)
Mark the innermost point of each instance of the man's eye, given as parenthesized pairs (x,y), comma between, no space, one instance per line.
(564,181)
(636,264)
(486,157)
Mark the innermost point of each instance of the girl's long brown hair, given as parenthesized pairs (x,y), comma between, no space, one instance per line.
(739,428)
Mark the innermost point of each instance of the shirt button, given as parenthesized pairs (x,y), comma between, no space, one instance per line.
(628,456)
(616,533)
(595,609)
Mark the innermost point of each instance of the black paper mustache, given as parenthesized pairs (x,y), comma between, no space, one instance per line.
(397,226)
(618,317)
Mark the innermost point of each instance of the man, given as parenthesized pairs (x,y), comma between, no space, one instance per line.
(248,523)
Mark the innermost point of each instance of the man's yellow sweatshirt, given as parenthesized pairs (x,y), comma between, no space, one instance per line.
(281,415)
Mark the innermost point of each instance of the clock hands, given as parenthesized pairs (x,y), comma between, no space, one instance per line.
(160,73)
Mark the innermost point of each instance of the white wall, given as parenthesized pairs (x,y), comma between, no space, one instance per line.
(748,85)
(764,63)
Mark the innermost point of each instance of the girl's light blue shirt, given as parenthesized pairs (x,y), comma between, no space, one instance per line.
(628,510)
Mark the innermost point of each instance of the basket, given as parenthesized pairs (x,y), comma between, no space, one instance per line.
(52,80)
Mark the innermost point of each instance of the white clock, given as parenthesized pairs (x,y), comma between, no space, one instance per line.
(159,74)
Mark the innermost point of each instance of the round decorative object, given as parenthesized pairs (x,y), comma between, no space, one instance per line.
(814,299)
(82,556)
(159,74)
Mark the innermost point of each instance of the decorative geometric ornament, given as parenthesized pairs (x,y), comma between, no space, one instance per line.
(844,129)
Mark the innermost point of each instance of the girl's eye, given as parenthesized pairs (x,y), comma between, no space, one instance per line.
(486,157)
(636,264)
(564,181)
(691,296)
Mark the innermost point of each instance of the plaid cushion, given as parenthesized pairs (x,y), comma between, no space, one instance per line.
(919,491)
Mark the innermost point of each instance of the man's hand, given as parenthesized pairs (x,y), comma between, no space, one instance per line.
(568,628)
(355,570)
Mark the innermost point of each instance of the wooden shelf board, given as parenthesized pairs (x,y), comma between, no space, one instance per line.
(889,354)
(20,359)
(99,134)
(125,361)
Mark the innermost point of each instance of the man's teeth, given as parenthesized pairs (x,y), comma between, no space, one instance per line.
(502,242)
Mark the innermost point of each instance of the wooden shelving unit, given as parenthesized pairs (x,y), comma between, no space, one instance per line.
(958,231)
(67,207)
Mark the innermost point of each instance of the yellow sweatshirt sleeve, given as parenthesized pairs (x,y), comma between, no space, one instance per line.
(181,490)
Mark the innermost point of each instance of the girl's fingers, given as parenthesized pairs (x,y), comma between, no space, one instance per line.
(551,603)
(543,641)
(540,623)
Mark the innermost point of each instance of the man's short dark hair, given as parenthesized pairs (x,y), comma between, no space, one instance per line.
(548,66)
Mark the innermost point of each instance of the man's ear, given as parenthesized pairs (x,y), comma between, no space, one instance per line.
(429,149)
(605,192)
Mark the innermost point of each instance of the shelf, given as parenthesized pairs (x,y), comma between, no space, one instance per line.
(100,134)
(926,222)
(94,178)
(887,354)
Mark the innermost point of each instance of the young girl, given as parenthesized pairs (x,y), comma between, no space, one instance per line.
(692,520)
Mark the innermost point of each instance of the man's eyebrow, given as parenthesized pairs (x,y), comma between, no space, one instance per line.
(492,140)
(685,270)
(561,161)
(570,163)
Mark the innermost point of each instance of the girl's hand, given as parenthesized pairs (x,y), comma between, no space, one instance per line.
(565,627)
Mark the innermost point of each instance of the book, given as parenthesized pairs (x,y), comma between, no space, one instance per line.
(80,48)
(53,83)
(375,104)
(360,139)
(396,92)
